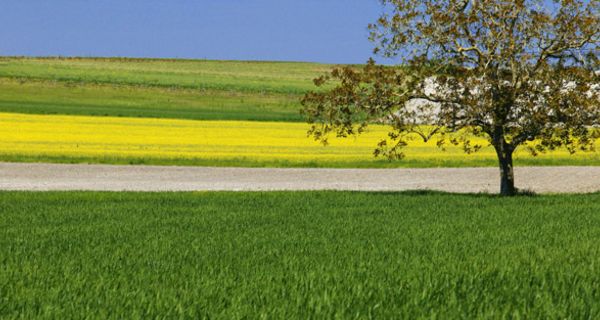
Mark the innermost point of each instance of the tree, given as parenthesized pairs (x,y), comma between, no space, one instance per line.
(518,72)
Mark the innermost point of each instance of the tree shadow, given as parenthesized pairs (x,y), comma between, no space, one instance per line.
(426,192)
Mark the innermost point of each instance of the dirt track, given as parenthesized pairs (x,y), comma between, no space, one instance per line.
(37,176)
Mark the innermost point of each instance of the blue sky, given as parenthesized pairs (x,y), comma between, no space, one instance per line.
(332,31)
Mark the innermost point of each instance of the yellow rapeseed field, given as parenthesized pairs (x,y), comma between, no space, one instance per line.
(244,143)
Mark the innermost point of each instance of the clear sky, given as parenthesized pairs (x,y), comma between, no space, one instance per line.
(332,31)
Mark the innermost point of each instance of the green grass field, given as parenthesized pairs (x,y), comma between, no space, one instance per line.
(244,76)
(44,97)
(298,255)
(181,89)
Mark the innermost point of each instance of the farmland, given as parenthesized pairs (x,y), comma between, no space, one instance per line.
(274,77)
(257,255)
(138,111)
(43,97)
(298,255)
(222,143)
(245,114)
(438,160)
(194,89)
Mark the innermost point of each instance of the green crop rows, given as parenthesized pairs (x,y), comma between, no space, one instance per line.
(185,89)
(298,255)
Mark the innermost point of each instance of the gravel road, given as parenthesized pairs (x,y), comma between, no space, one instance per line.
(38,176)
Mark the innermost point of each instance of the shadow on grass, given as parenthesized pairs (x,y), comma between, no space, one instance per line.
(427,192)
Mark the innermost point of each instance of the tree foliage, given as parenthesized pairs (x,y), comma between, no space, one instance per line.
(520,72)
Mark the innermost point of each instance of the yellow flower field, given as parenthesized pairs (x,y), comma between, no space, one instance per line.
(239,143)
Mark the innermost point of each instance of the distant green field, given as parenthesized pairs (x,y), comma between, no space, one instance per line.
(186,89)
(301,255)
(245,76)
(43,97)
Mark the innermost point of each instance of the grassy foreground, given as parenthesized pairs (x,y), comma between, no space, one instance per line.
(298,255)
(224,143)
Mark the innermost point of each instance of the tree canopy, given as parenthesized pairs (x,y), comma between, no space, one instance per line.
(518,72)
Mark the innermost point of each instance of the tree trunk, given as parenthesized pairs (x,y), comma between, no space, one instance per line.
(507,175)
(504,151)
